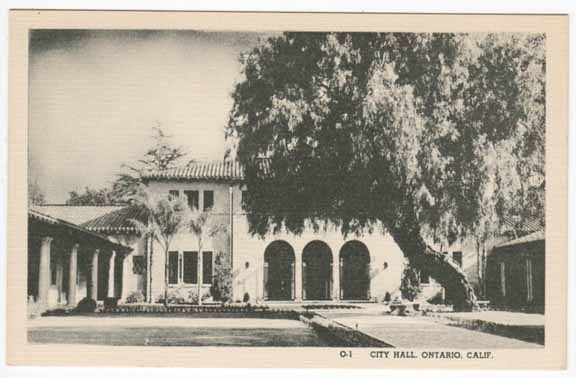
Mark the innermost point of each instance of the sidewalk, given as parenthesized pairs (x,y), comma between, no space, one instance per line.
(421,333)
(517,325)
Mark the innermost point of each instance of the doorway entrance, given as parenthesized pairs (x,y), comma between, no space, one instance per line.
(354,271)
(317,271)
(279,272)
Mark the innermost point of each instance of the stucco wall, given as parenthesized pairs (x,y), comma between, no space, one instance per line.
(386,259)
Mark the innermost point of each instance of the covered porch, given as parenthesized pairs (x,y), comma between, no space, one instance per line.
(67,263)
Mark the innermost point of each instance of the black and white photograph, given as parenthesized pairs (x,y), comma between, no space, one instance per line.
(290,189)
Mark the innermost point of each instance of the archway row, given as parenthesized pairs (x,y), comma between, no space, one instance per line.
(317,268)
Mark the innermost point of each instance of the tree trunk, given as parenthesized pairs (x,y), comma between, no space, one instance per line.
(200,278)
(149,266)
(408,237)
(166,278)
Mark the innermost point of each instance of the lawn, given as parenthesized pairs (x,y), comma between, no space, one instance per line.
(177,331)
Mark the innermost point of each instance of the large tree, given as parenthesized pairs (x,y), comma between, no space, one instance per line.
(428,137)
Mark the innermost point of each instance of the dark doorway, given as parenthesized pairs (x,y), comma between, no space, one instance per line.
(279,272)
(317,271)
(354,271)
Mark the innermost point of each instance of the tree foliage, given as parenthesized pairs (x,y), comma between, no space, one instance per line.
(91,197)
(202,226)
(35,193)
(221,288)
(410,283)
(164,219)
(434,136)
(161,155)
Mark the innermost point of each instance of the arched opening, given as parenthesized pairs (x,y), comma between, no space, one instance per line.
(279,272)
(354,271)
(317,271)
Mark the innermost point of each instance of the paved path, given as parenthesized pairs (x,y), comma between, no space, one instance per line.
(421,333)
(501,317)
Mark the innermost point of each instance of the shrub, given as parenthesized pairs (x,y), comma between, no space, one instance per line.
(110,302)
(246,298)
(410,285)
(387,297)
(86,305)
(221,289)
(135,297)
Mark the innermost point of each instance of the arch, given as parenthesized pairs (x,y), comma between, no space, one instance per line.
(279,271)
(317,271)
(354,271)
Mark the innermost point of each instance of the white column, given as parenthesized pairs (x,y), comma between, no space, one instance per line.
(72,275)
(93,287)
(298,277)
(336,278)
(44,272)
(111,275)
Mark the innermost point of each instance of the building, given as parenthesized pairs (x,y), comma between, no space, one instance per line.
(313,266)
(515,274)
(67,262)
(283,267)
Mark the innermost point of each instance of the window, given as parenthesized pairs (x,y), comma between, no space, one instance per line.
(138,264)
(529,281)
(503,278)
(457,257)
(173,267)
(190,267)
(208,200)
(424,277)
(206,267)
(173,194)
(193,198)
(244,198)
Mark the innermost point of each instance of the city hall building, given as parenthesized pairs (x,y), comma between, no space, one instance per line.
(96,252)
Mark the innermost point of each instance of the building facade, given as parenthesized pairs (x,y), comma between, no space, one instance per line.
(312,266)
(318,265)
(516,274)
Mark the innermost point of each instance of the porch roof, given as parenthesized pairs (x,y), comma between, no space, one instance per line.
(37,216)
(118,221)
(532,237)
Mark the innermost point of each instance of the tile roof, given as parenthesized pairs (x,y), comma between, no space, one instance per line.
(117,221)
(208,171)
(45,218)
(533,237)
(75,214)
(100,219)
(527,225)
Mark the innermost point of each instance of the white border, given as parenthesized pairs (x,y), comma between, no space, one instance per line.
(406,6)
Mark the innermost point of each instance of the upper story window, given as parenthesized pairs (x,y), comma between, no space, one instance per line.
(457,257)
(173,194)
(208,199)
(193,199)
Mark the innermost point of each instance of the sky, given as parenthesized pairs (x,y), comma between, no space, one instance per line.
(96,95)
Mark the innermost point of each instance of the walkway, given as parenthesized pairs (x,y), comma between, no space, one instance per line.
(422,333)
